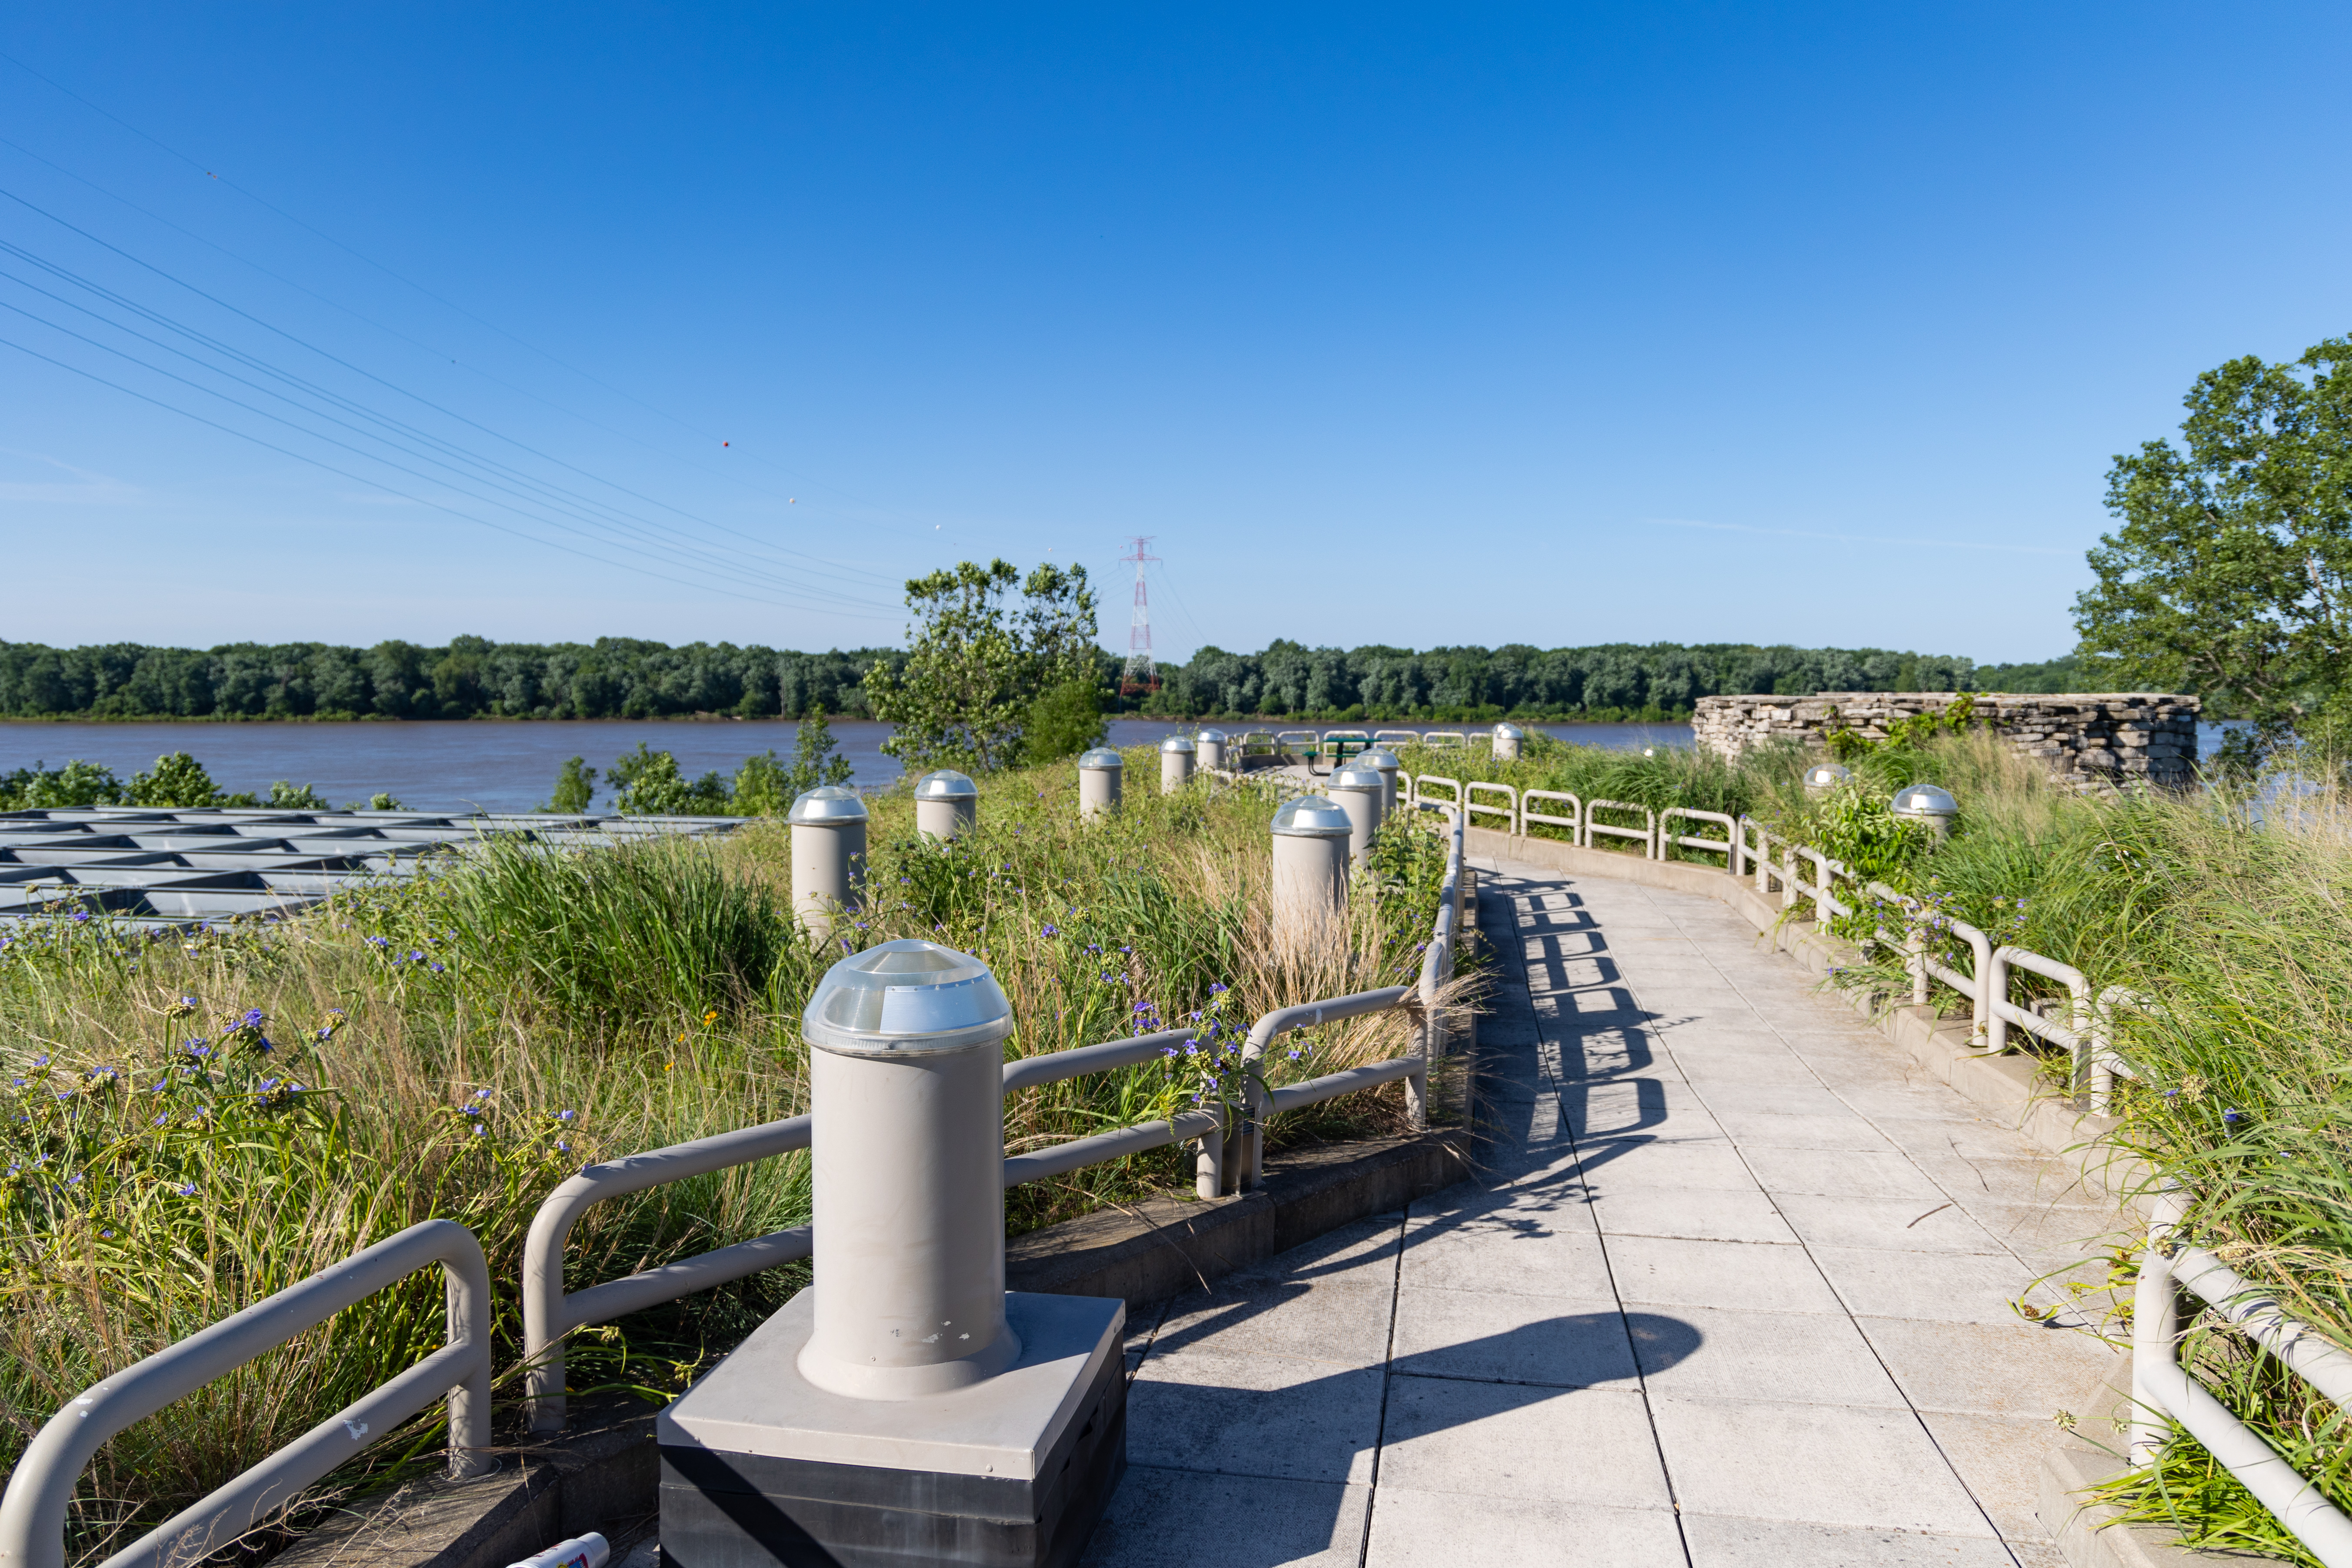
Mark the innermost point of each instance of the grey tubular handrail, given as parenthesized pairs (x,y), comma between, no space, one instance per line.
(33,1513)
(1509,814)
(1646,835)
(1574,823)
(549,1313)
(2161,1386)
(1305,1016)
(1722,846)
(2073,1036)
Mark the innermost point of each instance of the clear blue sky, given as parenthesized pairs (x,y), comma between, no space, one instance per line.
(1549,323)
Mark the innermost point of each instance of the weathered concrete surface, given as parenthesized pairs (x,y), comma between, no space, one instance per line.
(1734,1288)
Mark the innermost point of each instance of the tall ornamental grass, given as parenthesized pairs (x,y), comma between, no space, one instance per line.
(201,1119)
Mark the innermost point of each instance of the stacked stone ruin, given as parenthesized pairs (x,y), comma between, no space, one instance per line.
(2095,740)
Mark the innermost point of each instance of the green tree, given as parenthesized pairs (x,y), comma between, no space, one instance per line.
(77,783)
(296,797)
(765,787)
(1064,722)
(647,784)
(975,670)
(575,786)
(177,781)
(2228,575)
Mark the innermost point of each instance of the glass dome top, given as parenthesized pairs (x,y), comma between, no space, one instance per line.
(945,784)
(1102,758)
(1925,800)
(828,804)
(1311,816)
(906,998)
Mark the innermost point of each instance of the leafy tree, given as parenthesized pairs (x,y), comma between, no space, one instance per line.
(647,784)
(178,782)
(575,786)
(765,787)
(1063,722)
(2230,573)
(296,797)
(77,783)
(963,697)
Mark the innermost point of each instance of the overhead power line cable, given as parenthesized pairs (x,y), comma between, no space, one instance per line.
(554,496)
(873,578)
(440,354)
(407,282)
(801,599)
(379,484)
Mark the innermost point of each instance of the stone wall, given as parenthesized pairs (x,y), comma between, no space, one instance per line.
(2098,740)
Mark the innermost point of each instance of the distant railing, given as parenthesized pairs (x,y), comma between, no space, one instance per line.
(40,1491)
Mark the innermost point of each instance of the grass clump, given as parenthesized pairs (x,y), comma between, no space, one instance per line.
(201,1119)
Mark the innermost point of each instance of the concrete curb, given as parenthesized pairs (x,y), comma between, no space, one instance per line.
(2006,1087)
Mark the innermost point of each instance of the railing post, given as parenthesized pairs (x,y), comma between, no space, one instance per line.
(1994,983)
(1915,947)
(2156,1332)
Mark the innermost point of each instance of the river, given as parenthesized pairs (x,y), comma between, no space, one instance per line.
(511,767)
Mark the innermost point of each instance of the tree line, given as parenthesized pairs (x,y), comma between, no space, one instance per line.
(621,678)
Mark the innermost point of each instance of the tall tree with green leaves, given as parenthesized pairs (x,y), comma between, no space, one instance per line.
(976,667)
(2229,574)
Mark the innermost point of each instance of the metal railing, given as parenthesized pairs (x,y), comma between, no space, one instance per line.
(1573,821)
(40,1491)
(2162,1388)
(1646,835)
(1668,839)
(1508,812)
(550,1314)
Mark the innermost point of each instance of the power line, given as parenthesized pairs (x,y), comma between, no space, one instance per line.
(407,282)
(440,354)
(555,496)
(356,451)
(378,484)
(332,358)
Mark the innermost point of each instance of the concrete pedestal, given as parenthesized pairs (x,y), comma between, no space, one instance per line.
(760,1468)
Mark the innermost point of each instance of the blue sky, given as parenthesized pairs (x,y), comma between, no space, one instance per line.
(1551,324)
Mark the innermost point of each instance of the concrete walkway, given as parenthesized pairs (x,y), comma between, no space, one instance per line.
(1735,1292)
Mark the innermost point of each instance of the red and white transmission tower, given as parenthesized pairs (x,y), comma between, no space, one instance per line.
(1138,676)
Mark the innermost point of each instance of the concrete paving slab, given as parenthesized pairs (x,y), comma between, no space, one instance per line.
(1717,1542)
(1833,1173)
(1532,1252)
(1334,1324)
(1557,1343)
(1659,1271)
(1671,1160)
(1812,1463)
(1836,1129)
(1791,1358)
(1893,1225)
(1988,1369)
(1692,1215)
(1952,1288)
(1413,1529)
(2000,1458)
(1513,1440)
(1203,1409)
(1162,1518)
